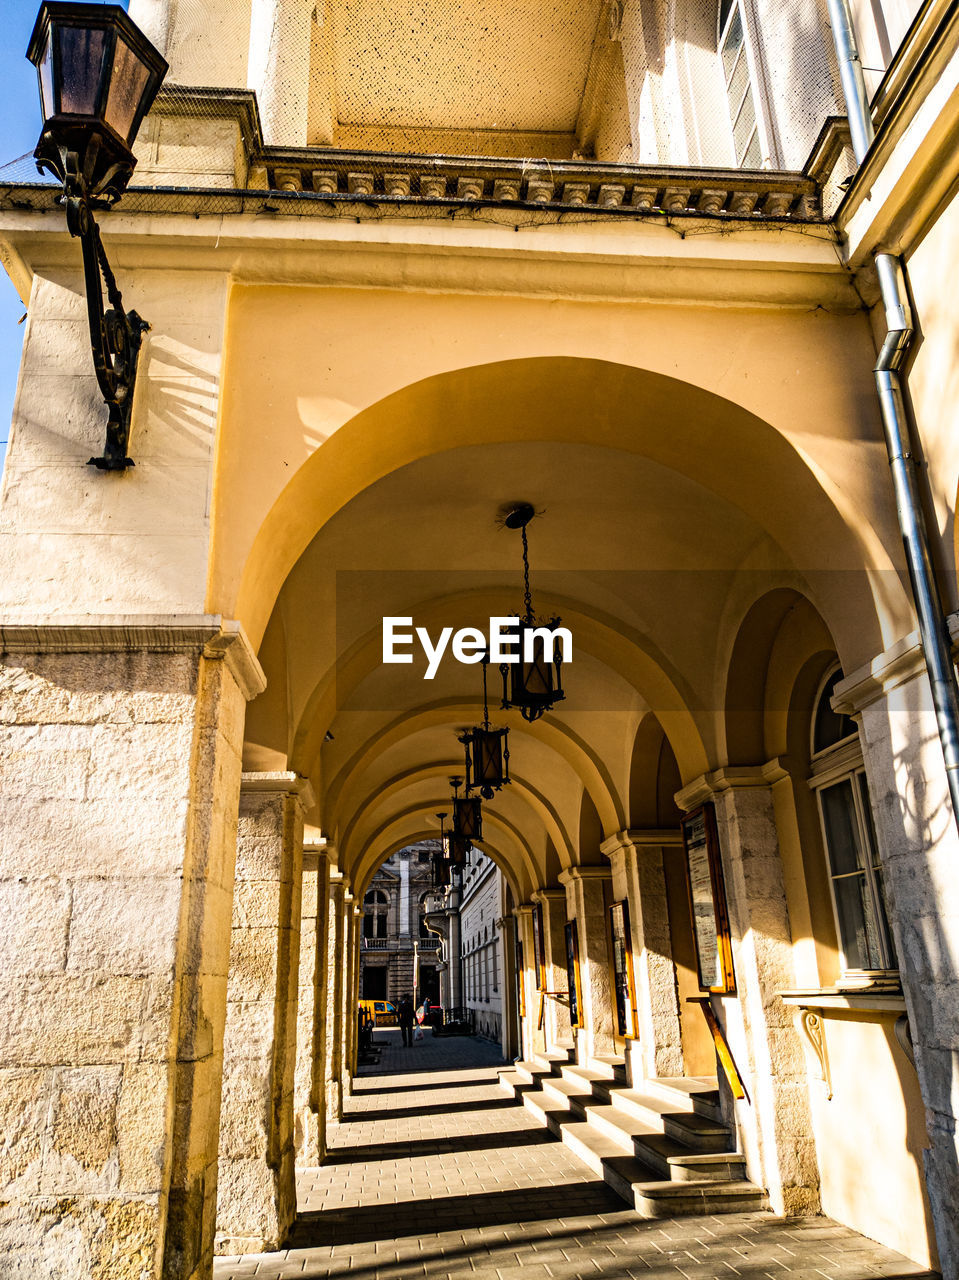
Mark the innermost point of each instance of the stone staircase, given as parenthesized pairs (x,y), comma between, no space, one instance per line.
(663,1148)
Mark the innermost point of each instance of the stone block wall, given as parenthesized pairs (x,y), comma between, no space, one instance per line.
(118,776)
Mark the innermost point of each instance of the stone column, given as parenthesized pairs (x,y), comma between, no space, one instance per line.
(586,904)
(309,1121)
(347,1013)
(919,849)
(352,999)
(533,1041)
(509,1029)
(332,1072)
(256,1198)
(119,776)
(559,1034)
(774,1121)
(279,68)
(637,863)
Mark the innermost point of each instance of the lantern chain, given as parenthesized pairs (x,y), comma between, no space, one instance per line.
(527,594)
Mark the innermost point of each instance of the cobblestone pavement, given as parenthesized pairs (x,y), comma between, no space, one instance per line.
(436,1173)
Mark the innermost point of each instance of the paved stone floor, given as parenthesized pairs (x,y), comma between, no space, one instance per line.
(436,1173)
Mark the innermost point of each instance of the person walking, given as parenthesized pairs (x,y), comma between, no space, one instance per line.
(406,1015)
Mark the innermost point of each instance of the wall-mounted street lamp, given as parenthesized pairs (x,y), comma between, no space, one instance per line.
(533,687)
(98,78)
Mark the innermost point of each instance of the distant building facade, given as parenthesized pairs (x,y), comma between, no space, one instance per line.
(398,954)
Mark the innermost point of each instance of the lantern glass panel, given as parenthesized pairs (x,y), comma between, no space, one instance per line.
(490,757)
(45,67)
(127,87)
(538,678)
(83,51)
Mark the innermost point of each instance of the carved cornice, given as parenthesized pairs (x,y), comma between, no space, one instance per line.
(371,177)
(207,634)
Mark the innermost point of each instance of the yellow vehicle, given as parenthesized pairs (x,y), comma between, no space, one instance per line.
(381,1011)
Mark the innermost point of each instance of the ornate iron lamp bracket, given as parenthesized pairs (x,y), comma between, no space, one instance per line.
(115,334)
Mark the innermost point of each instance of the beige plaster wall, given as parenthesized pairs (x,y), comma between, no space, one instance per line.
(871,1134)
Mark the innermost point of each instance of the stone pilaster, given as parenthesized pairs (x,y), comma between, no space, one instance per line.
(559,1034)
(533,1040)
(637,862)
(510,1023)
(279,68)
(256,1199)
(309,1095)
(335,942)
(586,904)
(919,849)
(774,1120)
(120,766)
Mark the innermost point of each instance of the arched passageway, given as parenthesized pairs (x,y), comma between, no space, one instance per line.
(660,810)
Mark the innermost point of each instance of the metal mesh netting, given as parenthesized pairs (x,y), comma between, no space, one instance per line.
(479,100)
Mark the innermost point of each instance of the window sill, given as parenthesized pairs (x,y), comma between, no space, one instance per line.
(863,1000)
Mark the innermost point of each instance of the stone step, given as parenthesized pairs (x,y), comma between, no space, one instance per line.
(688,1093)
(640,1149)
(696,1132)
(613,1066)
(630,1178)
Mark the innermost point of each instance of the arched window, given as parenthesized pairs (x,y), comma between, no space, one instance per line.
(376,907)
(855,872)
(735,59)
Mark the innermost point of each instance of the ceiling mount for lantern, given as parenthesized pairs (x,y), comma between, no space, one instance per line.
(533,684)
(98,75)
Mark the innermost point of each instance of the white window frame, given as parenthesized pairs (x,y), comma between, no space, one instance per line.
(755,85)
(839,763)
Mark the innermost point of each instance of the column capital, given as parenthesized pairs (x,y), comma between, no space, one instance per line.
(737,777)
(281,783)
(641,838)
(895,666)
(572,874)
(524,909)
(553,894)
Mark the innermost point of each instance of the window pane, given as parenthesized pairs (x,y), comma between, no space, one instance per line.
(857,932)
(842,830)
(733,42)
(830,727)
(753,157)
(738,86)
(877,874)
(743,130)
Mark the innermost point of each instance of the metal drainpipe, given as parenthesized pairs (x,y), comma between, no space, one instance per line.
(933,630)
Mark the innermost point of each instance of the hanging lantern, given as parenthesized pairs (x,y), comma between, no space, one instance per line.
(459,847)
(487,753)
(441,871)
(532,686)
(468,818)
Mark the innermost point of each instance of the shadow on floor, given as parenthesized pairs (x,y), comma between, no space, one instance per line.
(452,1213)
(441,1109)
(439,1146)
(440,1084)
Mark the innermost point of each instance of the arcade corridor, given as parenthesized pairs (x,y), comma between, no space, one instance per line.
(436,1172)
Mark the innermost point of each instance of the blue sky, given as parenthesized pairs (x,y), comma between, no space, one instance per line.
(19,130)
